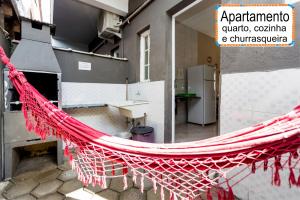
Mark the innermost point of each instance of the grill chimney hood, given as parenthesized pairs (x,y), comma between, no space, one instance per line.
(34,52)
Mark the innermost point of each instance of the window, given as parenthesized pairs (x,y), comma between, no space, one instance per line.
(145,56)
(115,52)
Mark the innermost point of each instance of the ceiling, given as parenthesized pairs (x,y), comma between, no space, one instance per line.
(75,21)
(200,18)
(119,7)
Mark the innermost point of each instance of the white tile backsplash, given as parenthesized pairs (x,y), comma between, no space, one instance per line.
(104,119)
(92,93)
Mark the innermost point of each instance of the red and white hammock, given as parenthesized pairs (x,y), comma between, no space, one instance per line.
(186,170)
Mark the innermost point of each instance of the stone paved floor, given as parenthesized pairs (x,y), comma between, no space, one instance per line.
(49,182)
(40,178)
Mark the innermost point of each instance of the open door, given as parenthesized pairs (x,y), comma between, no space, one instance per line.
(196,65)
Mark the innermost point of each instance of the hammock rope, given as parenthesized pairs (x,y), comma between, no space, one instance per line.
(186,170)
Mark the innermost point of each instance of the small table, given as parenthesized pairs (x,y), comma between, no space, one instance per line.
(185,98)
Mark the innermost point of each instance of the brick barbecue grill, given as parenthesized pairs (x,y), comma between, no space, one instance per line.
(34,56)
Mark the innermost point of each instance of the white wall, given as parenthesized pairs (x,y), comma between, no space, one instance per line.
(105,119)
(186,56)
(153,92)
(108,119)
(250,98)
(186,53)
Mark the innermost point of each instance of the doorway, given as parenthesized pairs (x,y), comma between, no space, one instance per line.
(196,73)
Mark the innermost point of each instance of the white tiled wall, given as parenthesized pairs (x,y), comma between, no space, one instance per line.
(92,93)
(249,98)
(109,119)
(105,119)
(153,92)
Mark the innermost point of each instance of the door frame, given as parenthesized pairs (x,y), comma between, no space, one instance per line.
(173,54)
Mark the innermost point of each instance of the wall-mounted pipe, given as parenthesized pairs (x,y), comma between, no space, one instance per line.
(136,12)
(89,53)
(126,89)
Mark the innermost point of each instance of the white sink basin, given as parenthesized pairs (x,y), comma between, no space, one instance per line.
(131,108)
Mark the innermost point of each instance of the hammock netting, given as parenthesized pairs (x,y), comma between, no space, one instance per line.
(186,170)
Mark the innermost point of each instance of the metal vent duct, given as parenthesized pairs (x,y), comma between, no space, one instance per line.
(34,52)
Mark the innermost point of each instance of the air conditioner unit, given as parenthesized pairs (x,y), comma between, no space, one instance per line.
(109,25)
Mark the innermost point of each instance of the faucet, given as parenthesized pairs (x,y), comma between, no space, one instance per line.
(138,93)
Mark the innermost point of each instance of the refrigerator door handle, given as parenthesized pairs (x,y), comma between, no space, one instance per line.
(209,80)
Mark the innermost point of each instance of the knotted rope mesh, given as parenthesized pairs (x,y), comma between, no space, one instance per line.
(186,170)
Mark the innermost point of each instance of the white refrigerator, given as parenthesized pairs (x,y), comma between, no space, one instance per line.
(201,81)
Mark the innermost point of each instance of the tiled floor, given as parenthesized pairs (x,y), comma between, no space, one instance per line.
(192,132)
(41,179)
